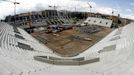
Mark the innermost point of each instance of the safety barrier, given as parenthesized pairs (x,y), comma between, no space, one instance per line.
(62,61)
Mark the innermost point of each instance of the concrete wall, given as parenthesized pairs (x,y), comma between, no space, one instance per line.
(61,61)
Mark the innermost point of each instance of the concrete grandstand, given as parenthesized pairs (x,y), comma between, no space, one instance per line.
(21,54)
(98,21)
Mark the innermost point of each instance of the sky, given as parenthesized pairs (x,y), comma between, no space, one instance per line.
(123,7)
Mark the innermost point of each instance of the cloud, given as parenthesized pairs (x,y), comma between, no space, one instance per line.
(5,10)
(37,5)
(105,10)
(132,4)
(128,10)
(129,16)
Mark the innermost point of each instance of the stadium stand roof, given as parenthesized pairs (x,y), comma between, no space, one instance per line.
(115,56)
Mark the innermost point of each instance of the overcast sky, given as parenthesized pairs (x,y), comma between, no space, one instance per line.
(124,7)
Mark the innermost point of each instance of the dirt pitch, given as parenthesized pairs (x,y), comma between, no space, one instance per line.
(70,42)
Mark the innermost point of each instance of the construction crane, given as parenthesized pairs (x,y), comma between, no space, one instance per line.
(30,20)
(54,8)
(90,7)
(15,3)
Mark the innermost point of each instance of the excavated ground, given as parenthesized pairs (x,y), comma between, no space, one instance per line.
(70,42)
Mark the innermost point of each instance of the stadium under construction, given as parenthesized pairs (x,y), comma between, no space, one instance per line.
(52,42)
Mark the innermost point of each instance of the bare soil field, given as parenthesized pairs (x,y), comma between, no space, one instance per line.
(70,42)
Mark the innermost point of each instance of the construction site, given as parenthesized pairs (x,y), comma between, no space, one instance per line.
(56,40)
(73,41)
(66,34)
